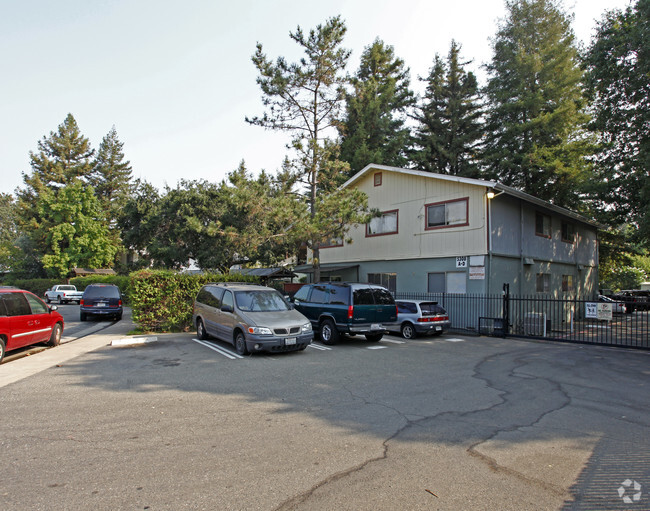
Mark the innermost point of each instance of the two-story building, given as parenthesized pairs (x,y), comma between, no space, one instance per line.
(440,233)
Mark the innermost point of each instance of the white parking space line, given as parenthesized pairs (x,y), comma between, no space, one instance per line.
(222,351)
(319,347)
(454,340)
(377,347)
(394,341)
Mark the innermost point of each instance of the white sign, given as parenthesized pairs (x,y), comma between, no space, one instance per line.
(591,310)
(477,273)
(461,262)
(605,311)
(600,311)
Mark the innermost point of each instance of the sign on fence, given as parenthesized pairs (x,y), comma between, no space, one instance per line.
(598,310)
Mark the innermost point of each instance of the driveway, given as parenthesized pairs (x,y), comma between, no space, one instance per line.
(433,423)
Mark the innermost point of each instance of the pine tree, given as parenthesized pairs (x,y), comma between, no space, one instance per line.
(537,140)
(618,64)
(304,99)
(449,119)
(63,158)
(111,176)
(373,129)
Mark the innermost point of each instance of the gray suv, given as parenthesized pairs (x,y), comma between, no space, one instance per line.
(252,318)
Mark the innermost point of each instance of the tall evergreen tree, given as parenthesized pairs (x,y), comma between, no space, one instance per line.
(373,129)
(63,158)
(449,120)
(111,176)
(618,63)
(304,99)
(537,140)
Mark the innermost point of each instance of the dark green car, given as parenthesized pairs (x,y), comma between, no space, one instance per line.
(336,308)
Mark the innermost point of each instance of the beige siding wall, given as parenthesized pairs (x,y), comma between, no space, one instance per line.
(409,194)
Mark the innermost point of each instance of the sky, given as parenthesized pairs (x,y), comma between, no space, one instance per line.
(176,79)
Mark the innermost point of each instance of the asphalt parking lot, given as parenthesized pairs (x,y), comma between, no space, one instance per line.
(433,423)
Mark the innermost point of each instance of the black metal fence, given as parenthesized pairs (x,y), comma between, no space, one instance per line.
(571,320)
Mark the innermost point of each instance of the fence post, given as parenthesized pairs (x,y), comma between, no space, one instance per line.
(506,309)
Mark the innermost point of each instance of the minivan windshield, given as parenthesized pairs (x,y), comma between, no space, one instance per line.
(260,301)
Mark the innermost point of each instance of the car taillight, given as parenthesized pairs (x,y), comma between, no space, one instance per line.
(119,303)
(350,311)
(81,302)
(432,319)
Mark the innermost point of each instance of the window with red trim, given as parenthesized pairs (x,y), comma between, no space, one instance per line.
(453,213)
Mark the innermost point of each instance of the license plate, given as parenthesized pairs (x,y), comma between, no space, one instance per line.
(438,328)
(101,304)
(289,341)
(375,326)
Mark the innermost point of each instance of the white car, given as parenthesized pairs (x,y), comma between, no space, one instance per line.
(63,293)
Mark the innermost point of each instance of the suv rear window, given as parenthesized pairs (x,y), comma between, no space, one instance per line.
(382,296)
(101,292)
(363,296)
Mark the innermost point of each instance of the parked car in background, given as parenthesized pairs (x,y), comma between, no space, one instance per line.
(635,299)
(420,317)
(63,293)
(101,300)
(337,308)
(618,307)
(252,318)
(25,320)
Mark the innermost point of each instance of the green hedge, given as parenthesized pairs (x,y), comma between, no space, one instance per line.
(36,286)
(162,301)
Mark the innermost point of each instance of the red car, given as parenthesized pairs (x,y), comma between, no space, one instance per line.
(26,320)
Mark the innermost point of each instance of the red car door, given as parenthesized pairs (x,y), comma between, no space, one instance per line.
(41,318)
(19,319)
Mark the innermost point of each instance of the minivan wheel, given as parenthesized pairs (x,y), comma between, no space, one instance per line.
(328,332)
(408,332)
(82,316)
(240,344)
(2,349)
(374,337)
(200,330)
(55,338)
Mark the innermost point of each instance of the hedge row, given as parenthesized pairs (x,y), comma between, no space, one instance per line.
(162,301)
(36,286)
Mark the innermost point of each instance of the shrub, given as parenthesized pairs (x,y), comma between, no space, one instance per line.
(36,286)
(162,300)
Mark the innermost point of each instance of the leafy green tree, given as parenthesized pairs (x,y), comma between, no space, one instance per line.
(537,139)
(618,64)
(373,129)
(304,99)
(9,251)
(139,220)
(449,120)
(111,176)
(73,229)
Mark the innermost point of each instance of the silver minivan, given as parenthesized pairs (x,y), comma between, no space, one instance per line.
(252,318)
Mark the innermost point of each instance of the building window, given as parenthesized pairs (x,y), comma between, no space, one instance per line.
(457,282)
(388,280)
(567,283)
(542,225)
(568,232)
(436,283)
(332,242)
(447,214)
(384,224)
(543,284)
(377,177)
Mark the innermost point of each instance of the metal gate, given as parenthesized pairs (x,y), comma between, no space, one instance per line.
(580,320)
